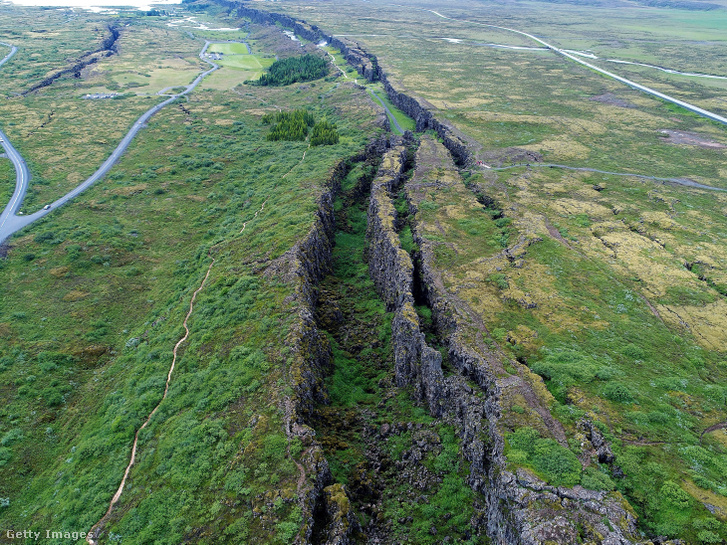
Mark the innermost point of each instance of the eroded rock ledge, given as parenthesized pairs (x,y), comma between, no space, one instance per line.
(521,508)
(303,267)
(392,272)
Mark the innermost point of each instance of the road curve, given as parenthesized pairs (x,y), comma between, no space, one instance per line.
(11,223)
(691,107)
(13,51)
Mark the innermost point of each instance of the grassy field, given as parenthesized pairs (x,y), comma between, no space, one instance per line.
(7,175)
(229,49)
(605,294)
(539,101)
(93,299)
(249,63)
(63,137)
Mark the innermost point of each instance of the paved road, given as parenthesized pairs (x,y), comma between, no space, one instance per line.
(391,115)
(13,51)
(22,178)
(11,223)
(691,107)
(679,181)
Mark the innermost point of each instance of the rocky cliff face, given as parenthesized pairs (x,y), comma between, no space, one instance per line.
(391,269)
(303,267)
(521,508)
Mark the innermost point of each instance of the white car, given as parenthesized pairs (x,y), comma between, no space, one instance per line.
(46,207)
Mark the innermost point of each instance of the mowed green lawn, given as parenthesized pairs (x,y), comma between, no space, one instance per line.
(229,49)
(247,62)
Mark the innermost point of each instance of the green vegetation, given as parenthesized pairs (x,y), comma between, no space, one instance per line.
(558,465)
(291,126)
(605,295)
(324,134)
(95,296)
(293,69)
(229,49)
(582,313)
(294,126)
(364,400)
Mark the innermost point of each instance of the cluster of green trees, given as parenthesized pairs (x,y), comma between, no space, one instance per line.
(293,69)
(294,127)
(291,126)
(324,134)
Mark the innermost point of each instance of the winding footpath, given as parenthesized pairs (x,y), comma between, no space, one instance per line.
(389,112)
(97,528)
(11,222)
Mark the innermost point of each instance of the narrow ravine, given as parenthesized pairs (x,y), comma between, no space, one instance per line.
(400,467)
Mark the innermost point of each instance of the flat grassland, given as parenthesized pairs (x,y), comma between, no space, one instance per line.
(229,49)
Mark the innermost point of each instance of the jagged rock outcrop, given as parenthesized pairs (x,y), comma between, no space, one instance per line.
(341,522)
(601,449)
(392,272)
(107,48)
(521,509)
(567,515)
(303,267)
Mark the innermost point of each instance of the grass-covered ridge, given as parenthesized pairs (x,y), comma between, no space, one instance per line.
(607,350)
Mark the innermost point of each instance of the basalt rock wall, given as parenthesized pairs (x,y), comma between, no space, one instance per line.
(391,270)
(521,508)
(303,267)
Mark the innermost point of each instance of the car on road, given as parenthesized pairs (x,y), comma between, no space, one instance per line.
(46,207)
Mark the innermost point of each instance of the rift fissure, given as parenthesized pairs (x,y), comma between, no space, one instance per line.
(399,467)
